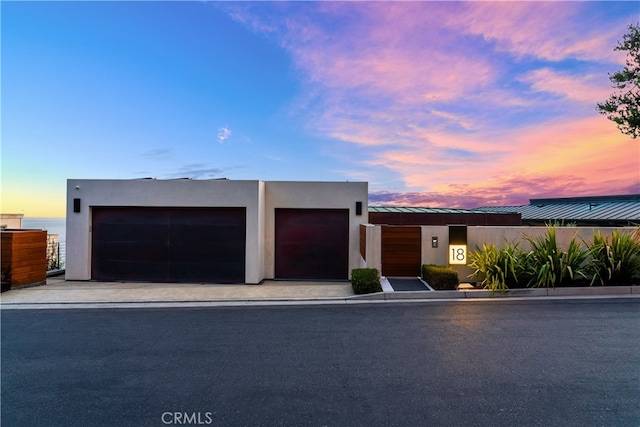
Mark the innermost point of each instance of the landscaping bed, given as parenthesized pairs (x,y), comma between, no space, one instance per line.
(601,262)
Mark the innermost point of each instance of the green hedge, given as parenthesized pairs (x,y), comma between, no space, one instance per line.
(365,280)
(440,278)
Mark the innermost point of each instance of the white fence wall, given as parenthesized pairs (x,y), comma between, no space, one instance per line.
(476,237)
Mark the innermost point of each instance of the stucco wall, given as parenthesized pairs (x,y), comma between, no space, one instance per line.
(314,195)
(476,236)
(373,249)
(431,255)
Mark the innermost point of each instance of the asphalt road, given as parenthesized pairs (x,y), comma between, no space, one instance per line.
(471,363)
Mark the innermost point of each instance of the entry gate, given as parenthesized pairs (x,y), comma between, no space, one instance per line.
(401,251)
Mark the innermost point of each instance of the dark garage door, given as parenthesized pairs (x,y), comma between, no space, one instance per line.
(312,244)
(169,244)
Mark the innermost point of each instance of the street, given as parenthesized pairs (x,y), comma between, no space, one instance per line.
(470,363)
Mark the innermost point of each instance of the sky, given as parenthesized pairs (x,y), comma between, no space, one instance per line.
(442,104)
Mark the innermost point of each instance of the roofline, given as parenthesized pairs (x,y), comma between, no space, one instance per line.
(587,199)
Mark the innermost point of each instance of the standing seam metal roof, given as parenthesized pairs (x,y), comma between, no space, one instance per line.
(397,209)
(599,211)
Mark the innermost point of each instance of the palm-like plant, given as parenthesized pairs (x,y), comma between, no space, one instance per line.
(496,267)
(549,266)
(617,262)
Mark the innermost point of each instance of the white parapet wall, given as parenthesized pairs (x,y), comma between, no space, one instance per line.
(11,221)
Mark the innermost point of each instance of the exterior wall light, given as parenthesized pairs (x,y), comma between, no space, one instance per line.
(358,208)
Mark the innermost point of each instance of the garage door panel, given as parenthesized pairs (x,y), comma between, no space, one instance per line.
(151,233)
(312,244)
(132,270)
(169,244)
(130,251)
(201,271)
(220,252)
(194,235)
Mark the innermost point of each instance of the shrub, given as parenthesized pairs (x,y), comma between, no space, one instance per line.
(440,278)
(365,280)
(618,262)
(548,266)
(498,268)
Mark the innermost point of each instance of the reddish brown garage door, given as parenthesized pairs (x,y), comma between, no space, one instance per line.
(312,244)
(169,244)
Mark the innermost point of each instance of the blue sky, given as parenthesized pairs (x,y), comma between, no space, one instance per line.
(433,103)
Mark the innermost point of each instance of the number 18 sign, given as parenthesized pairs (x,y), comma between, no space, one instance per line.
(458,254)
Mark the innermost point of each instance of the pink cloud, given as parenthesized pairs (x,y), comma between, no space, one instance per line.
(369,52)
(435,95)
(549,30)
(580,157)
(588,88)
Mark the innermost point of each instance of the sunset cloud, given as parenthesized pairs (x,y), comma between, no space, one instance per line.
(448,103)
(477,121)
(552,31)
(588,88)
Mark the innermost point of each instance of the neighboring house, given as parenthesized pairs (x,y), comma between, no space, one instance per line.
(11,221)
(213,231)
(603,211)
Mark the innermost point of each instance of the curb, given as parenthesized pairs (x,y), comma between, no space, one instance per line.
(288,302)
(379,297)
(509,293)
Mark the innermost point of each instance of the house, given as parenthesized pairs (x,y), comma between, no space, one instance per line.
(246,231)
(213,231)
(11,221)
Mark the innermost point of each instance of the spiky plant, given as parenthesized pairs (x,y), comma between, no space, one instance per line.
(618,261)
(548,266)
(496,267)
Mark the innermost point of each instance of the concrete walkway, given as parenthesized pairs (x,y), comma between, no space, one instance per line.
(58,290)
(59,293)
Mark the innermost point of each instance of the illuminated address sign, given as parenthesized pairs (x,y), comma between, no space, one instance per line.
(458,254)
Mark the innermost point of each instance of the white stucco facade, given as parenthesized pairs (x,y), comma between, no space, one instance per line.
(315,195)
(259,198)
(11,221)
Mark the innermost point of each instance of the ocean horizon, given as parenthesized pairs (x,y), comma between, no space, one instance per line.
(52,225)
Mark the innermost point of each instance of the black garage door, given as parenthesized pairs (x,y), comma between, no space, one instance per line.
(312,244)
(169,244)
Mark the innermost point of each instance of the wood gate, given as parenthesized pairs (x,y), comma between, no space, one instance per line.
(401,251)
